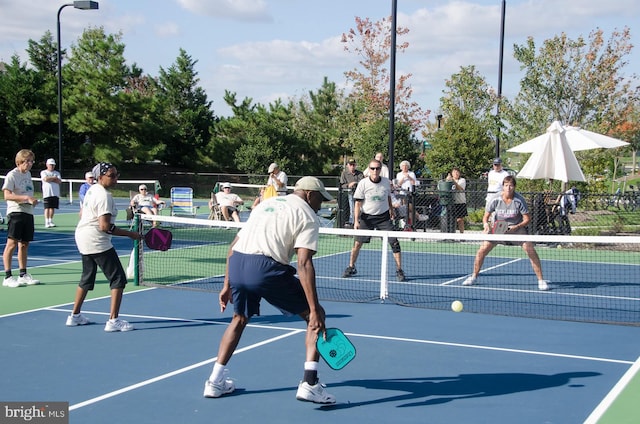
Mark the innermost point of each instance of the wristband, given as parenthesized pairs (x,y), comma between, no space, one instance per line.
(111,229)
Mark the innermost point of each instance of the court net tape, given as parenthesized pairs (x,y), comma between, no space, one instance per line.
(592,279)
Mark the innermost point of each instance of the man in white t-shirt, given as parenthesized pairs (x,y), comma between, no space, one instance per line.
(258,268)
(384,172)
(51,180)
(373,211)
(277,179)
(228,202)
(495,178)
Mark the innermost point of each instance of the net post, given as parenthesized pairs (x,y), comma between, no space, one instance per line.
(137,252)
(384,265)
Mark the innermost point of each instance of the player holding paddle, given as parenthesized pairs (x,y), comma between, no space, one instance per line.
(258,267)
(511,209)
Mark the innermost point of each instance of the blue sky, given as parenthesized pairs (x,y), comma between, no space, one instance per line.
(269,49)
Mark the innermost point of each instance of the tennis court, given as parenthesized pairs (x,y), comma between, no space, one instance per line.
(412,365)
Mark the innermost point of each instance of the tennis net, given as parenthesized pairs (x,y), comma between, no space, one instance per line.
(592,279)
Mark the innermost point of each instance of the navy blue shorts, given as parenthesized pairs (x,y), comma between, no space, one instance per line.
(254,277)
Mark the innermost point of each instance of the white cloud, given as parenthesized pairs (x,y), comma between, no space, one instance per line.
(241,10)
(169,29)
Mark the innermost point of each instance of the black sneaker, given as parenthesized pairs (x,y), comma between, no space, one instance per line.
(349,272)
(400,275)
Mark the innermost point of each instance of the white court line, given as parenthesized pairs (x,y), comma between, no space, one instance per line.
(613,394)
(294,331)
(446,283)
(173,373)
(499,349)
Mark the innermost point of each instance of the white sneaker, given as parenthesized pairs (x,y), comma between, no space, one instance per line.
(73,320)
(117,325)
(215,390)
(11,282)
(470,281)
(315,393)
(28,280)
(51,225)
(543,285)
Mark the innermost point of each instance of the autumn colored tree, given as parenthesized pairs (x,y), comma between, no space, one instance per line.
(371,42)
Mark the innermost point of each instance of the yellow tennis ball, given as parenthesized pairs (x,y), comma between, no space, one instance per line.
(456,306)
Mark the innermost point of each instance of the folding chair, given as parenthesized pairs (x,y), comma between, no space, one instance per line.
(182,202)
(214,208)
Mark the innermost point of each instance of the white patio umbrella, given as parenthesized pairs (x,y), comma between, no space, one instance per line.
(552,157)
(577,139)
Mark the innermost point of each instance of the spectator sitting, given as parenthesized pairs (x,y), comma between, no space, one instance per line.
(228,203)
(145,202)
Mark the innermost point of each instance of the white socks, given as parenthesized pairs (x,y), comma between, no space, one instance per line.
(217,373)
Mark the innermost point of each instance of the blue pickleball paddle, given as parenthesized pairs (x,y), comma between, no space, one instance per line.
(336,349)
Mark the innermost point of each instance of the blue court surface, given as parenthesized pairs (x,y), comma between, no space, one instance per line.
(413,365)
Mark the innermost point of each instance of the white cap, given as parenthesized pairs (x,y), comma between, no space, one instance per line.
(51,161)
(225,185)
(88,174)
(272,167)
(142,186)
(313,184)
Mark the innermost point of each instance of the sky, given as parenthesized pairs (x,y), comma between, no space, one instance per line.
(270,49)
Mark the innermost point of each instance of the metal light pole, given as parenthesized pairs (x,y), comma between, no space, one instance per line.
(392,86)
(82,5)
(500,79)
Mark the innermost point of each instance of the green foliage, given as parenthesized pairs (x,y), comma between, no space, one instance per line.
(116,112)
(463,142)
(577,82)
(186,114)
(25,112)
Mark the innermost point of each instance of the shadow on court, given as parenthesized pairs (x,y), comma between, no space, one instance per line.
(438,390)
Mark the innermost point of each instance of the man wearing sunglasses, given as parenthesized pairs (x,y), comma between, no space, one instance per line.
(373,211)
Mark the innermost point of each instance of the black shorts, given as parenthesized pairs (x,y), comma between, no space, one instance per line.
(459,210)
(52,202)
(109,263)
(20,226)
(380,222)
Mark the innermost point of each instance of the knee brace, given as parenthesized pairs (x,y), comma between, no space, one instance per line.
(395,245)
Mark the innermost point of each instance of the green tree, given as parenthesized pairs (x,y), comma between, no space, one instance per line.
(188,118)
(94,104)
(319,118)
(466,136)
(24,114)
(577,82)
(463,141)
